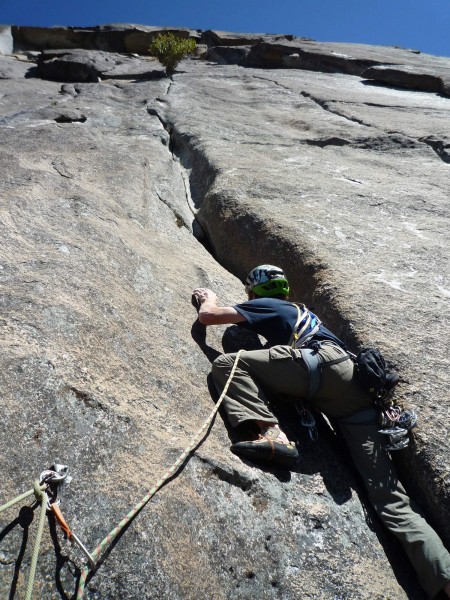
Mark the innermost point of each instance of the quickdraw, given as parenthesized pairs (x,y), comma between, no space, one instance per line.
(308,420)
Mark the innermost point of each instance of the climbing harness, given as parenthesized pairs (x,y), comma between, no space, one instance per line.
(370,372)
(313,363)
(311,360)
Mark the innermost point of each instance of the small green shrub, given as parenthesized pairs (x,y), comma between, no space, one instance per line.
(169,50)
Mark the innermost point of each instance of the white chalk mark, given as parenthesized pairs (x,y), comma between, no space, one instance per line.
(443,291)
(411,227)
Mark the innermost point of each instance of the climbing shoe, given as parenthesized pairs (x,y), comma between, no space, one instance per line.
(268,449)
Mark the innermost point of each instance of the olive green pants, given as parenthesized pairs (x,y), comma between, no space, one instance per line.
(280,370)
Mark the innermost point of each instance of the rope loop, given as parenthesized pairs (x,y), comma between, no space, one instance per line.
(38,491)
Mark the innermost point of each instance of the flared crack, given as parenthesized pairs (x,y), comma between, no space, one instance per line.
(219,222)
(182,159)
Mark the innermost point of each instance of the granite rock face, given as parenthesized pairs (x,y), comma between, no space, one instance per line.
(120,192)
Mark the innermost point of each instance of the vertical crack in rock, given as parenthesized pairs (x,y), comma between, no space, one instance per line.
(202,175)
(184,176)
(199,175)
(195,227)
(209,229)
(180,220)
(182,156)
(217,233)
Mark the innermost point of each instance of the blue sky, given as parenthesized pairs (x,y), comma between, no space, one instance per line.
(419,24)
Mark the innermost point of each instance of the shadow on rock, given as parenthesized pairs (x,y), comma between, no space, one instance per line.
(32,73)
(237,338)
(198,332)
(24,520)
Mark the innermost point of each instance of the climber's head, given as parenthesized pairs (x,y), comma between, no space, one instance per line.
(267,281)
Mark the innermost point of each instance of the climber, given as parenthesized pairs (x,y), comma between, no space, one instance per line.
(284,370)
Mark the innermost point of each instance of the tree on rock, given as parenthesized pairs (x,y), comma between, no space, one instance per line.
(169,50)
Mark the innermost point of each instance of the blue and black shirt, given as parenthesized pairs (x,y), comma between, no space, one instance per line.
(275,320)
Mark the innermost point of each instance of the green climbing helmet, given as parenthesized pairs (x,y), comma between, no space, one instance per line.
(267,281)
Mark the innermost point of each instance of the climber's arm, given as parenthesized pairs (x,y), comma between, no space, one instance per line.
(210,313)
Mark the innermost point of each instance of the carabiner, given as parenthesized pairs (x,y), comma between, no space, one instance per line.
(54,478)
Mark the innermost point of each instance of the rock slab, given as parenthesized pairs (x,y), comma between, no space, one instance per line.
(118,197)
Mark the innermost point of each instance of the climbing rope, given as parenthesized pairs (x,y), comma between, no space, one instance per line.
(42,499)
(23,496)
(169,473)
